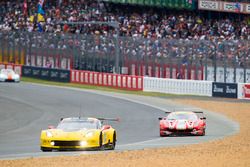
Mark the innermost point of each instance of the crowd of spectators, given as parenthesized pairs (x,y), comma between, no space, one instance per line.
(134,21)
(155,33)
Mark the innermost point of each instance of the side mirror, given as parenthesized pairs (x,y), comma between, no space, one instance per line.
(160,118)
(105,127)
(51,127)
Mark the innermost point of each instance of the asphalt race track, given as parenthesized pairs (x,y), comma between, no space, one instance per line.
(26,109)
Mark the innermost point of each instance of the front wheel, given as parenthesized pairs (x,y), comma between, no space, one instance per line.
(100,142)
(44,149)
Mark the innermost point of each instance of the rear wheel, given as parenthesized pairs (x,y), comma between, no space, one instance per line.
(203,132)
(114,141)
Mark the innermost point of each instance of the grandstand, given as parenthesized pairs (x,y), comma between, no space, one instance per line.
(153,35)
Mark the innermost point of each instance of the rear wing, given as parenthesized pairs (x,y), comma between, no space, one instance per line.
(199,113)
(109,119)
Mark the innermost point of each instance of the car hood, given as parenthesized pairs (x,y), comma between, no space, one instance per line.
(181,124)
(59,134)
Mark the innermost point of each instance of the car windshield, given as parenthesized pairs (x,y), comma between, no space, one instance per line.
(186,116)
(7,71)
(77,125)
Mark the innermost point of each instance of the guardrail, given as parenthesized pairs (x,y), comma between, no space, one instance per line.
(15,67)
(107,79)
(176,86)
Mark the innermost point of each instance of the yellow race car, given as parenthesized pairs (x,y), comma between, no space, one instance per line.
(78,133)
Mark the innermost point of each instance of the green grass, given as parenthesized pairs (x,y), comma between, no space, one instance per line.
(92,87)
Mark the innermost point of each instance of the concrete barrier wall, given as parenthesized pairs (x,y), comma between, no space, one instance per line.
(176,86)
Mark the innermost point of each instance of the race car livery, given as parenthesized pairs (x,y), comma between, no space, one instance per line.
(78,133)
(8,75)
(183,123)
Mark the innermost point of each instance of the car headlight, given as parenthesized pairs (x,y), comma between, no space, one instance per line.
(83,143)
(3,76)
(49,134)
(90,134)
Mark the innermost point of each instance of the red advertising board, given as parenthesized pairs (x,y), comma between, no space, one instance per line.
(128,82)
(246,91)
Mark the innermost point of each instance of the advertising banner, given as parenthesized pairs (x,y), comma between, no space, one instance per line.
(247,8)
(177,4)
(228,90)
(208,5)
(233,7)
(246,90)
(222,6)
(46,73)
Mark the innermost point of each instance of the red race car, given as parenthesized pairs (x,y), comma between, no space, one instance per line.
(183,123)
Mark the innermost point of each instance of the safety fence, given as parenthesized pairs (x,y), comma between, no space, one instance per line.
(219,61)
(106,79)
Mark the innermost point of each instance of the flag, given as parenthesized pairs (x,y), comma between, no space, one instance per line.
(25,7)
(40,28)
(41,2)
(40,18)
(40,9)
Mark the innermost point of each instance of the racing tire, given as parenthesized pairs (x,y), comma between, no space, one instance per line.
(114,142)
(163,135)
(203,132)
(44,149)
(101,147)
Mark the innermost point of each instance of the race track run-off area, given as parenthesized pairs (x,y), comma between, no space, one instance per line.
(26,109)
